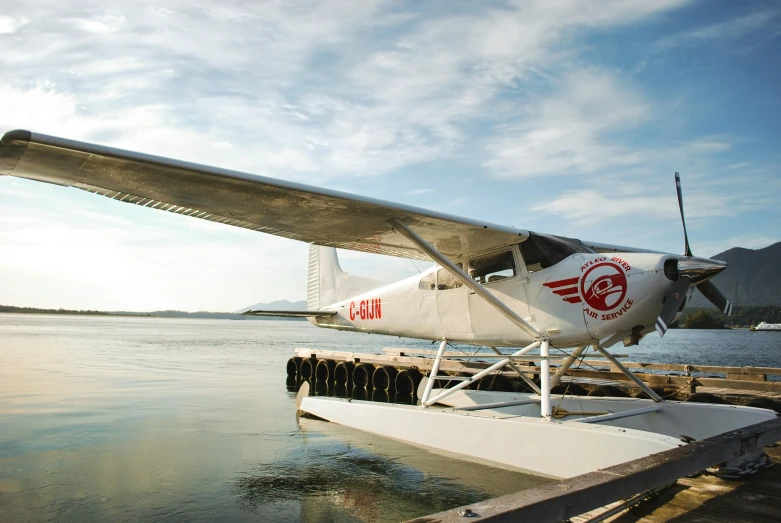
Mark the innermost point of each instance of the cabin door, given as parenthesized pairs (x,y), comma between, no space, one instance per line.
(453,303)
(502,274)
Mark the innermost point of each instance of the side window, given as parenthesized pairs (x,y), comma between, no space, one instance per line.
(446,281)
(494,267)
(441,280)
(428,282)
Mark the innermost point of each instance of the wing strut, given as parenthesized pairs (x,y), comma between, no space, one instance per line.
(629,374)
(529,383)
(451,267)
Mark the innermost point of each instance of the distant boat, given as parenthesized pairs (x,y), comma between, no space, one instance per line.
(767,327)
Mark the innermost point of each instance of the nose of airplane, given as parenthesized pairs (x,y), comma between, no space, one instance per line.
(699,269)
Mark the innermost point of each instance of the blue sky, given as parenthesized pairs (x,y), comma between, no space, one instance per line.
(566,117)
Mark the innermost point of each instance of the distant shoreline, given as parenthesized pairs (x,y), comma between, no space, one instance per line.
(152,314)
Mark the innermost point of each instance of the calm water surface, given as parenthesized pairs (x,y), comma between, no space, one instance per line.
(190,420)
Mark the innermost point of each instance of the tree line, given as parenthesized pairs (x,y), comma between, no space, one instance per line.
(710,318)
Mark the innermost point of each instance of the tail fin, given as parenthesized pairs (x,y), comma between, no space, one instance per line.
(328,283)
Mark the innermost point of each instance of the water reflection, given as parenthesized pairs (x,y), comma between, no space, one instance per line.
(147,419)
(323,388)
(360,393)
(356,392)
(357,475)
(382,396)
(340,390)
(406,399)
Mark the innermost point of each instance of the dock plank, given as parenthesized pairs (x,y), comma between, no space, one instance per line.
(709,499)
(759,484)
(572,497)
(674,505)
(734,500)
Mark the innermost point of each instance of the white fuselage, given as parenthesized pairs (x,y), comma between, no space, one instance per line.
(583,298)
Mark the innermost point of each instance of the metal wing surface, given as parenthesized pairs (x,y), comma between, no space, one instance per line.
(300,212)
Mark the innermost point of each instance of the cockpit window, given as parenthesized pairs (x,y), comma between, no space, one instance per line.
(494,267)
(446,281)
(541,251)
(441,280)
(428,282)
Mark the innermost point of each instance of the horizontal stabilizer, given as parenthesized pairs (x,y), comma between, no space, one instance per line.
(291,314)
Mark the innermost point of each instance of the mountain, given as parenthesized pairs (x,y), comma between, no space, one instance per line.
(279,305)
(753,277)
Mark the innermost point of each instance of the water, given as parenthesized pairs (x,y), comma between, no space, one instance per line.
(105,418)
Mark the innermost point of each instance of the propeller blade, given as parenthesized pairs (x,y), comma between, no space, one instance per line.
(683,220)
(671,304)
(715,297)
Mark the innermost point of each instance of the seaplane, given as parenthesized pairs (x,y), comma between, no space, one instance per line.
(490,285)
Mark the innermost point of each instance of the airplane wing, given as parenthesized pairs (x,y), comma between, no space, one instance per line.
(301,212)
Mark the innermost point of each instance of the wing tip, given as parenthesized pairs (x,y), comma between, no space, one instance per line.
(17,135)
(13,145)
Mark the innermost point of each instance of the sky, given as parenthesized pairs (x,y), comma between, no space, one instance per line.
(559,116)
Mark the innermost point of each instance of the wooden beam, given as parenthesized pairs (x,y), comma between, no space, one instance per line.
(565,499)
(482,355)
(397,351)
(691,368)
(629,364)
(656,380)
(473,367)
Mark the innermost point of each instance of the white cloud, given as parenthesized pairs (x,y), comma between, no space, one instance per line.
(639,201)
(566,133)
(56,256)
(109,22)
(303,90)
(9,24)
(735,28)
(419,191)
(332,93)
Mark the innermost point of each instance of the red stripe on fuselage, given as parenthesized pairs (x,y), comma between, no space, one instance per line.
(561,283)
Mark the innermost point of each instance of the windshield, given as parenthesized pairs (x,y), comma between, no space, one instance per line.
(541,251)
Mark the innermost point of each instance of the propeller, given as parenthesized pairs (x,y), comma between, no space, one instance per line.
(687,251)
(672,304)
(689,271)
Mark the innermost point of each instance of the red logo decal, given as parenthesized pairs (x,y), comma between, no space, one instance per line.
(608,288)
(366,309)
(602,287)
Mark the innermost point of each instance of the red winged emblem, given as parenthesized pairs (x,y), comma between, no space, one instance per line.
(567,288)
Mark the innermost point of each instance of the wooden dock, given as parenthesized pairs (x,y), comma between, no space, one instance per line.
(668,486)
(656,485)
(737,385)
(709,499)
